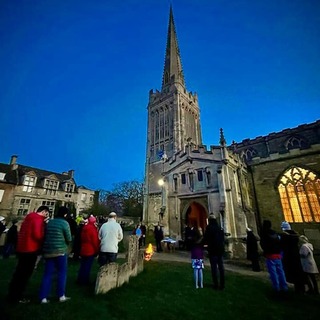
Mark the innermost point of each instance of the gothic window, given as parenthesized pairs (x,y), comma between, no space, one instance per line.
(248,154)
(183,178)
(299,191)
(191,179)
(208,175)
(295,143)
(200,175)
(166,123)
(175,182)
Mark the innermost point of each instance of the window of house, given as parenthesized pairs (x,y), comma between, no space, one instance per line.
(299,191)
(50,205)
(69,187)
(200,175)
(2,175)
(23,207)
(28,183)
(51,186)
(83,196)
(1,194)
(183,178)
(91,197)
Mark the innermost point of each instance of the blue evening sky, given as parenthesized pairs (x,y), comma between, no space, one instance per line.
(75,76)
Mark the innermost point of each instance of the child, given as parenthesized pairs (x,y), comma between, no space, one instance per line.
(197,257)
(309,266)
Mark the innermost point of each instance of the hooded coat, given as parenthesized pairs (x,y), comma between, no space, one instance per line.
(307,261)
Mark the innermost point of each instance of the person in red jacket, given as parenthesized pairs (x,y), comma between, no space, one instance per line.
(90,245)
(29,245)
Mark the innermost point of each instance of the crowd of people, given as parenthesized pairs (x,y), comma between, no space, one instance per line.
(288,255)
(52,239)
(289,259)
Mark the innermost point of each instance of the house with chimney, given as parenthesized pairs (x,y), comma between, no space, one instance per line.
(23,189)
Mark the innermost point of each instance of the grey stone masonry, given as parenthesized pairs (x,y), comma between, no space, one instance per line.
(114,275)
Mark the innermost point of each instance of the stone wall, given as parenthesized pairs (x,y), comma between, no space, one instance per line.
(114,275)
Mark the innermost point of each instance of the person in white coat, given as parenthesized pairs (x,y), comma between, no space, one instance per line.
(110,235)
(309,265)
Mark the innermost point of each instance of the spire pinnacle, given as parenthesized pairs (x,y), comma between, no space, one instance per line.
(172,71)
(223,141)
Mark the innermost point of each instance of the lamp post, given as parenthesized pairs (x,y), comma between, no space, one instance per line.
(161,183)
(163,206)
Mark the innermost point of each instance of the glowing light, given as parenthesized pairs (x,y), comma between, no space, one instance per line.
(148,252)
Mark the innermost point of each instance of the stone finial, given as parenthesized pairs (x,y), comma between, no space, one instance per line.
(222,138)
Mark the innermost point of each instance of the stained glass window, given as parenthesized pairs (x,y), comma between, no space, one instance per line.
(299,191)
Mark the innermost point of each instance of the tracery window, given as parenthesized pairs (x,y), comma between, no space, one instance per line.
(295,143)
(299,191)
(248,154)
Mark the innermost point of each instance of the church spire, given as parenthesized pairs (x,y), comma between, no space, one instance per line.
(172,71)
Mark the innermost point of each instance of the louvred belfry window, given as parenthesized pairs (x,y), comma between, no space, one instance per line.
(299,191)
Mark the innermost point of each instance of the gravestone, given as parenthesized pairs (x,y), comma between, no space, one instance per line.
(114,275)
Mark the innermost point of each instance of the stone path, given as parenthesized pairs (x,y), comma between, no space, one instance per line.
(239,266)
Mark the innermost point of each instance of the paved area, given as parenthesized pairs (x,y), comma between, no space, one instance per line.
(239,266)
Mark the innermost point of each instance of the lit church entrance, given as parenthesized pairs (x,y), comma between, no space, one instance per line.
(196,216)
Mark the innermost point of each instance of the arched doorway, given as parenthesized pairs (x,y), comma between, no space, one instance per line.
(196,216)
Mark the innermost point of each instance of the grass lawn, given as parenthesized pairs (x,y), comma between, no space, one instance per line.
(164,290)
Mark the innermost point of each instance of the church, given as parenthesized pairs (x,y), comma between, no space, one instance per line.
(274,177)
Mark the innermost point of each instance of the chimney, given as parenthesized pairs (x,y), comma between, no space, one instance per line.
(71,173)
(13,162)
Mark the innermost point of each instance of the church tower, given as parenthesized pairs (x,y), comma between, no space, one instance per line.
(185,181)
(173,113)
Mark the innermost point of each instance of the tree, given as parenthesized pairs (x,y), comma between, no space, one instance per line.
(131,194)
(126,198)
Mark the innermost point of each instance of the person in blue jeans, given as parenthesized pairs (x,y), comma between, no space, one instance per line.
(271,245)
(55,252)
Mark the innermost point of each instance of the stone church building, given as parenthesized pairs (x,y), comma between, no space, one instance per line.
(275,177)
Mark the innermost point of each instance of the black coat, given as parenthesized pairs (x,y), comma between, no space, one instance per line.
(214,239)
(12,235)
(252,246)
(270,242)
(291,257)
(158,233)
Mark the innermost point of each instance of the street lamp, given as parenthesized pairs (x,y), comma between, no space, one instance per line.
(163,206)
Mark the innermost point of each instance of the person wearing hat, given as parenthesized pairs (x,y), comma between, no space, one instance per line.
(291,257)
(110,235)
(309,265)
(89,248)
